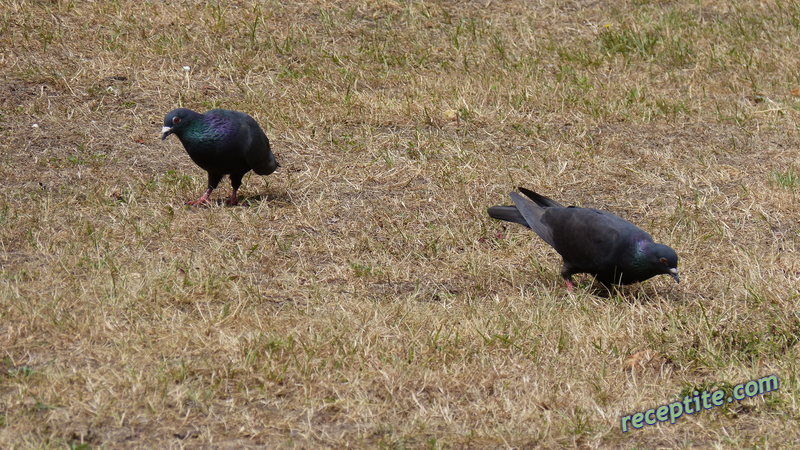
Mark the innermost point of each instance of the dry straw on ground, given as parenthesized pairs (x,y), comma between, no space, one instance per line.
(362,296)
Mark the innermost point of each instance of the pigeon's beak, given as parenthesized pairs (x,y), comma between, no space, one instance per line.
(673,272)
(165,131)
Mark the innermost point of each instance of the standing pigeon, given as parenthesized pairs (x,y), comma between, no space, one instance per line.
(591,241)
(222,142)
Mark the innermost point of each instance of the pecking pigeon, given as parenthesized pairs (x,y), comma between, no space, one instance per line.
(222,142)
(591,241)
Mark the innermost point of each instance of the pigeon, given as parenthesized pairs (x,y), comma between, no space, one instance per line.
(222,142)
(591,241)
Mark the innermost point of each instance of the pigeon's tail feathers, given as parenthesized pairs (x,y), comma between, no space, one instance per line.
(541,200)
(508,214)
(532,213)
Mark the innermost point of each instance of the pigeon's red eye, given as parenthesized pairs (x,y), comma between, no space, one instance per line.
(663,261)
(176,120)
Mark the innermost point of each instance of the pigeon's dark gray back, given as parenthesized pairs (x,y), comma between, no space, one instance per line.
(593,241)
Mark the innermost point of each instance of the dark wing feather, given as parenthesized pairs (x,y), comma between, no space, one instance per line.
(587,239)
(251,143)
(533,216)
(258,153)
(539,199)
(591,240)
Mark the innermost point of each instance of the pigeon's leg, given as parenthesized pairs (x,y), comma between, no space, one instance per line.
(236,181)
(203,200)
(566,274)
(213,181)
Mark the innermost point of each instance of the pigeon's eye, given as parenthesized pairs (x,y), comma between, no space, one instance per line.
(663,261)
(176,120)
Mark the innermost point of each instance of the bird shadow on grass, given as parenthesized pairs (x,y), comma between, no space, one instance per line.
(634,294)
(248,201)
(274,198)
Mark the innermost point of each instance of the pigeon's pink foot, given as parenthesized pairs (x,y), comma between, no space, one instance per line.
(570,286)
(233,200)
(203,200)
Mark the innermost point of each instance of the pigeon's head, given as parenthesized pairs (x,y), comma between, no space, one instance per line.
(176,120)
(664,260)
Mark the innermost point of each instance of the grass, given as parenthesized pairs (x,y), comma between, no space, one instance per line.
(362,296)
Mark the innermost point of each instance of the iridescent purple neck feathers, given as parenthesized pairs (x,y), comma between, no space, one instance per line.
(208,128)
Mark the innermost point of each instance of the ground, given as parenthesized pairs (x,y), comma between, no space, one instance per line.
(361,296)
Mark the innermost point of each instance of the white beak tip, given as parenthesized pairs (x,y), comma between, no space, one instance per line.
(165,132)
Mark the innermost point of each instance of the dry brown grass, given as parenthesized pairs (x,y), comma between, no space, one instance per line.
(364,297)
